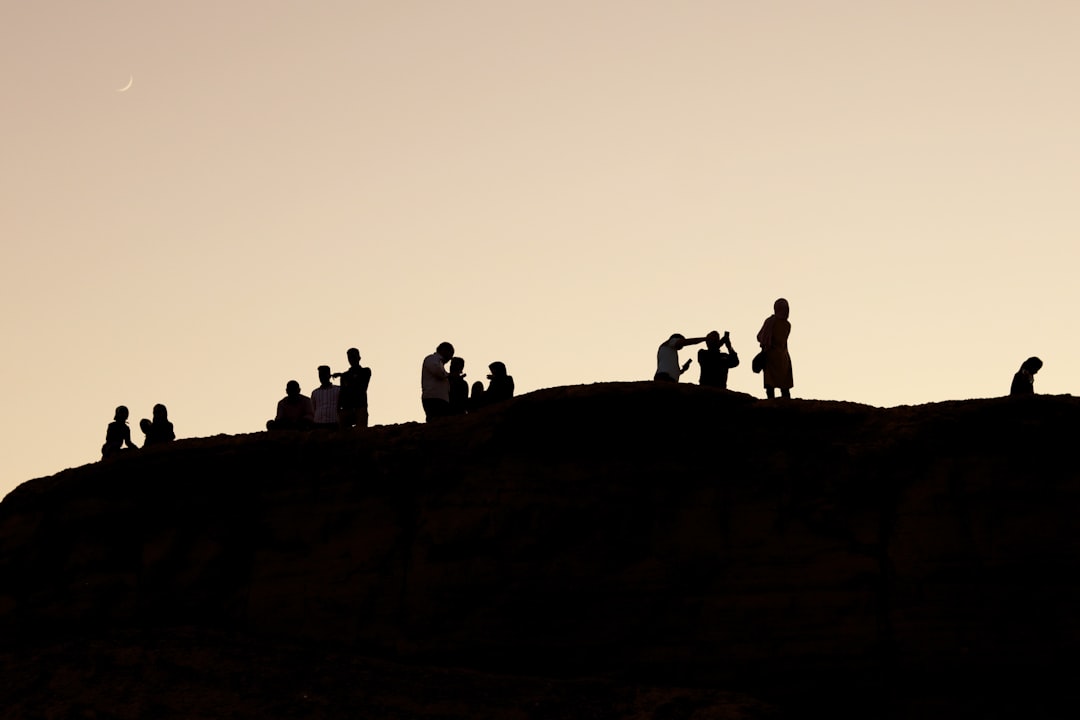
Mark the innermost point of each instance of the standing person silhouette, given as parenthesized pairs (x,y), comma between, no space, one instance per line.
(773,338)
(117,434)
(435,382)
(459,387)
(1023,382)
(715,364)
(325,400)
(667,358)
(352,399)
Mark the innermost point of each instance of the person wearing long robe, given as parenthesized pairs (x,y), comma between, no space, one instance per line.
(773,338)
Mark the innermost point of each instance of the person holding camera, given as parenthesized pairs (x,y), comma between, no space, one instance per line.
(352,398)
(714,363)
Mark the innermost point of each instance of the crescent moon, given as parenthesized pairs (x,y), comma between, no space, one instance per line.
(131,80)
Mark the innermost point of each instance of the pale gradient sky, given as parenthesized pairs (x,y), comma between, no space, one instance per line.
(559,185)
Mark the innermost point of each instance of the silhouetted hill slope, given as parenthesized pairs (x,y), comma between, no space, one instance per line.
(811,554)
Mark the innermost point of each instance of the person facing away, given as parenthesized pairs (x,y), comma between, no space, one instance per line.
(459,387)
(500,385)
(715,364)
(294,411)
(159,430)
(1023,382)
(118,434)
(773,338)
(145,426)
(667,357)
(435,382)
(324,400)
(352,399)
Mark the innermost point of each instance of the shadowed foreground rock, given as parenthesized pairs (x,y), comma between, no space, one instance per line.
(630,550)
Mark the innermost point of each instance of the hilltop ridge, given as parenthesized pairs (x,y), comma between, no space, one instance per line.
(660,536)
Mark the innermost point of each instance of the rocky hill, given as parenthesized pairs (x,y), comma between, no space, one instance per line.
(632,550)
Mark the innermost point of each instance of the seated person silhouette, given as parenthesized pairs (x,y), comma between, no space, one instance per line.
(476,397)
(667,357)
(715,364)
(294,411)
(1023,382)
(459,387)
(159,430)
(117,435)
(500,385)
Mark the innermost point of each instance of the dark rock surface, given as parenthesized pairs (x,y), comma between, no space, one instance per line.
(630,550)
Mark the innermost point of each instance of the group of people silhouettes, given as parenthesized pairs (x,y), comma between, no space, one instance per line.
(330,406)
(156,431)
(444,391)
(773,359)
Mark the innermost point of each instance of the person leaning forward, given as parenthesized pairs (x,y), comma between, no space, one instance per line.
(435,382)
(667,357)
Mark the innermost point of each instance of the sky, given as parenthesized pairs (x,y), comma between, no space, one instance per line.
(556,184)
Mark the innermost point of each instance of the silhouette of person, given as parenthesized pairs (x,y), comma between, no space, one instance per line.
(294,411)
(715,364)
(500,385)
(667,358)
(352,399)
(1023,382)
(773,338)
(159,430)
(435,382)
(476,398)
(325,399)
(118,434)
(459,387)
